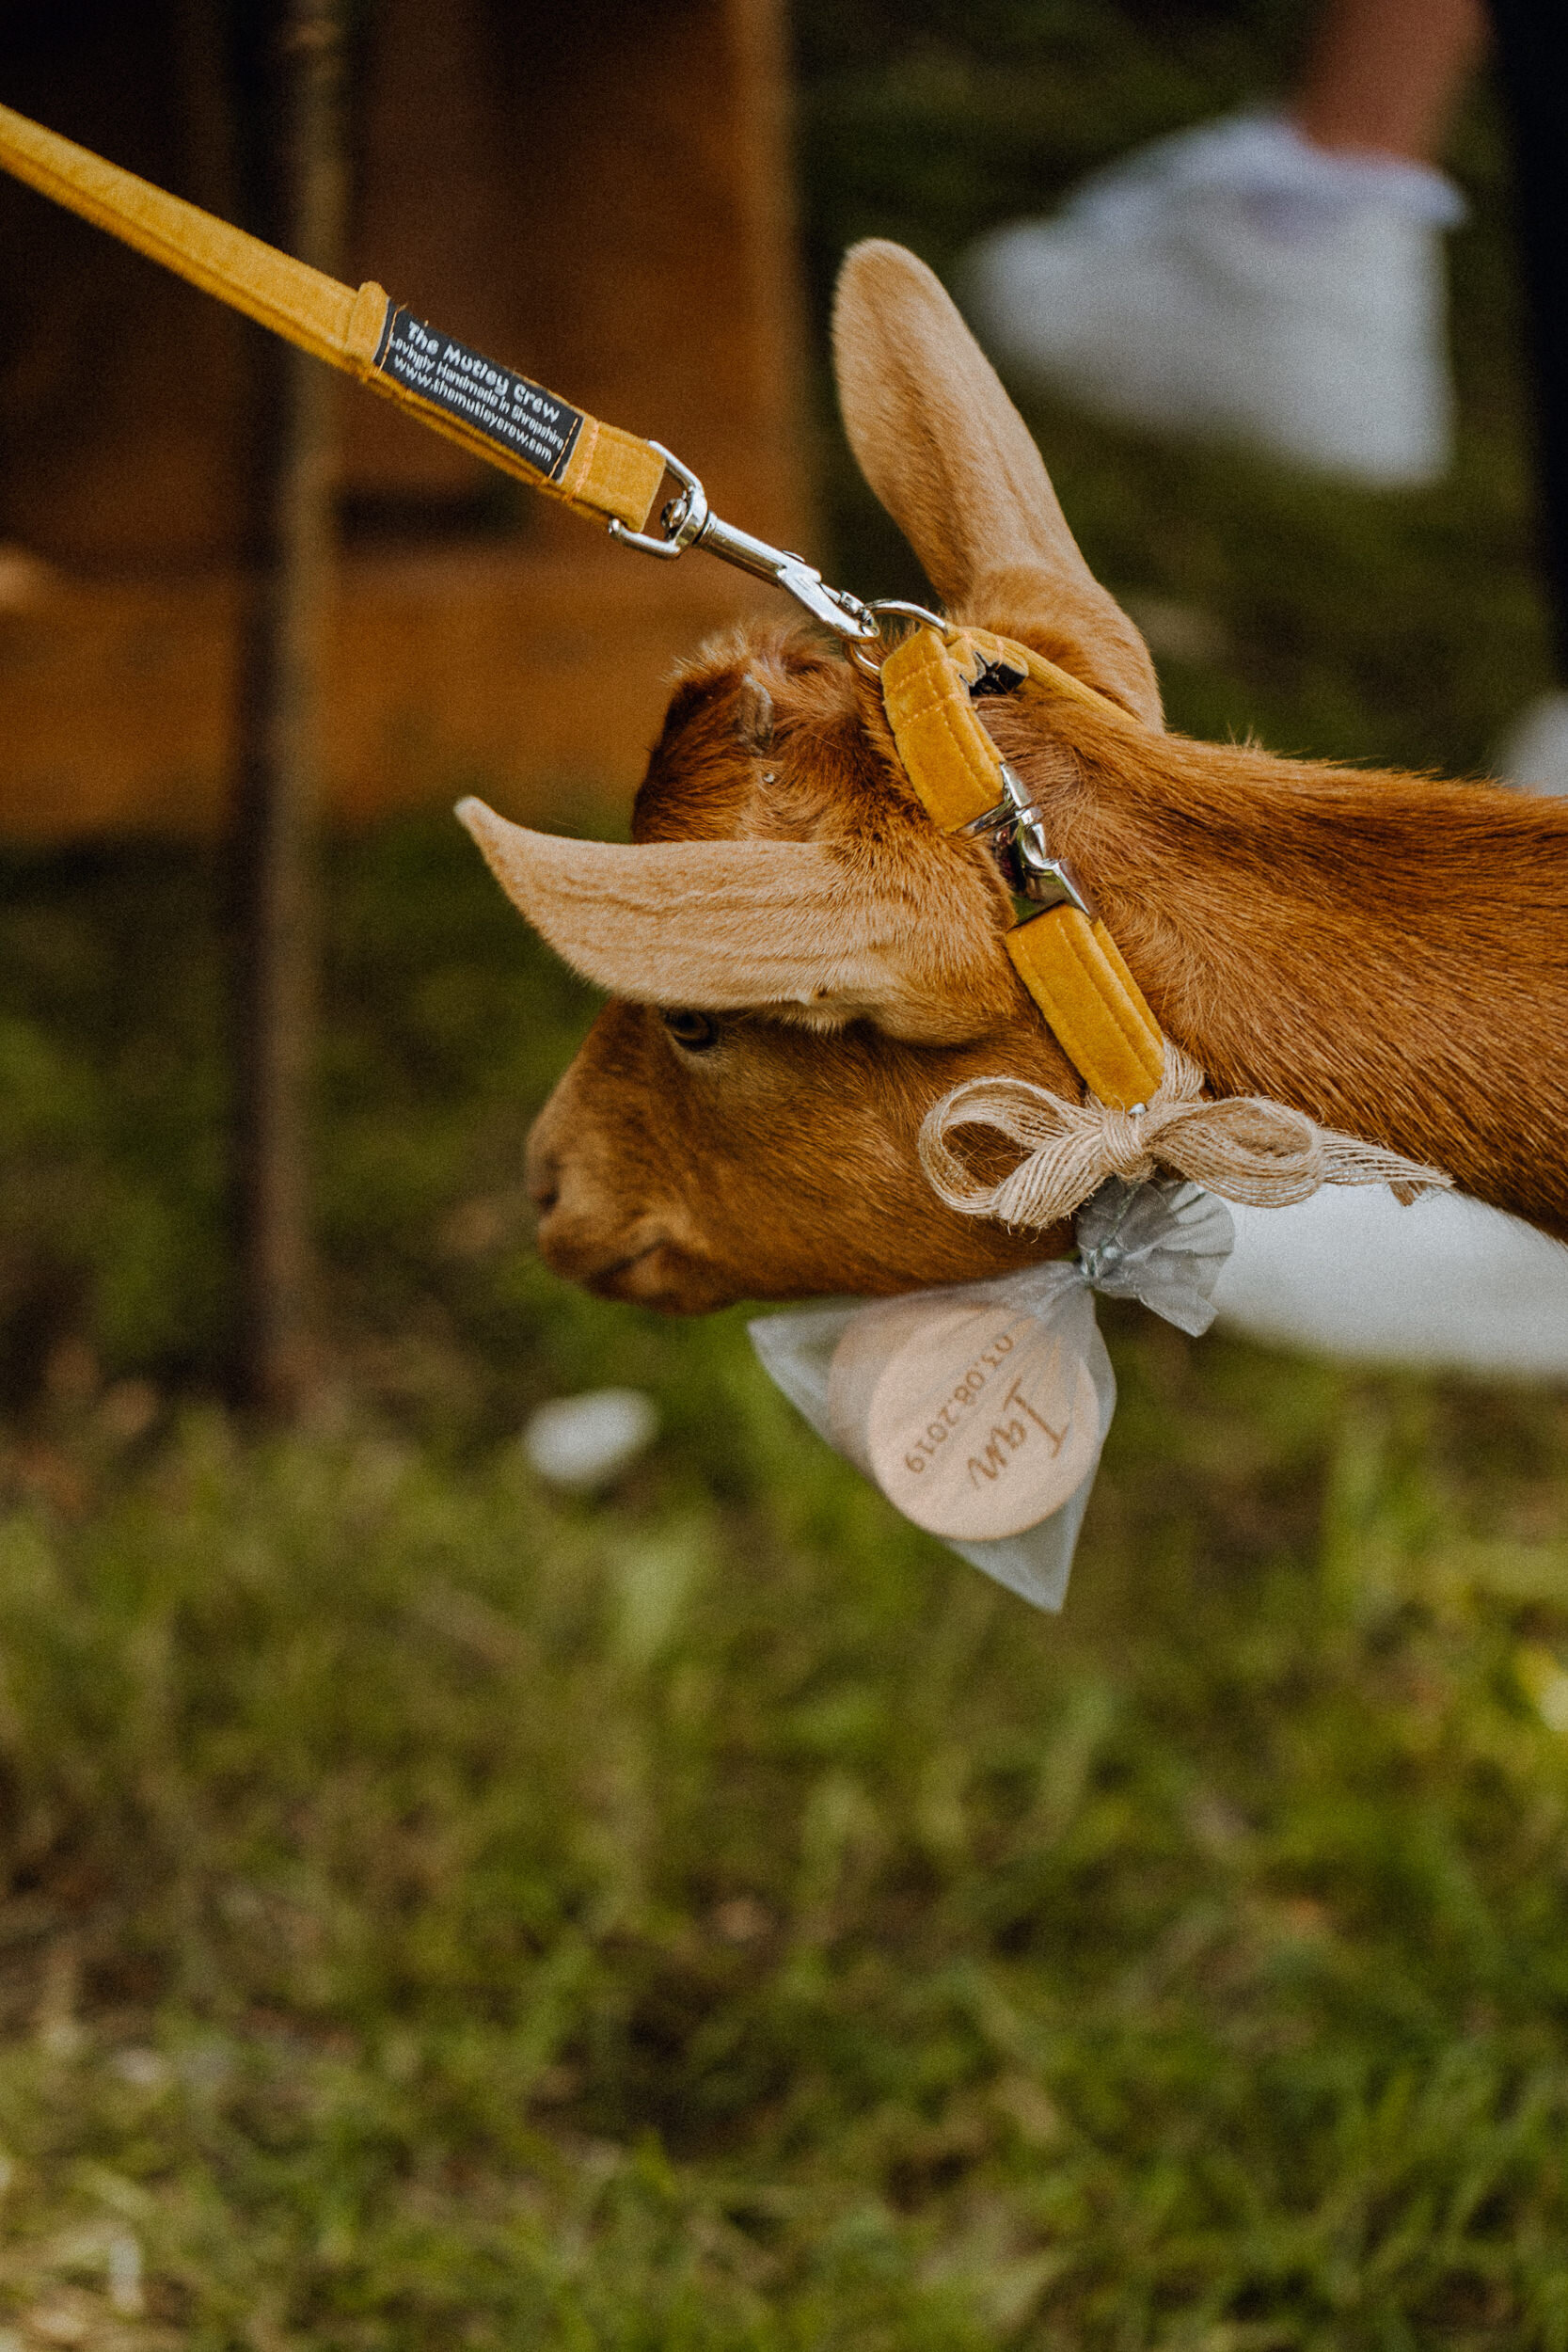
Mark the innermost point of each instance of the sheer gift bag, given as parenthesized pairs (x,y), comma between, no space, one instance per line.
(981,1409)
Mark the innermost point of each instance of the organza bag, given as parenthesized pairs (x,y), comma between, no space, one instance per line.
(980,1409)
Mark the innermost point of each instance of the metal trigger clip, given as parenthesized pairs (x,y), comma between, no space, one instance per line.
(689,521)
(1015,832)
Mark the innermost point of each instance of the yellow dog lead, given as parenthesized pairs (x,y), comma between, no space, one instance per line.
(1066,958)
(517,424)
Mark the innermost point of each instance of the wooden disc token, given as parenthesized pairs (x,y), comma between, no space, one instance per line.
(975,1422)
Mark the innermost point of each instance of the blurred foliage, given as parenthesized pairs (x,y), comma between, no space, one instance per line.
(438,1914)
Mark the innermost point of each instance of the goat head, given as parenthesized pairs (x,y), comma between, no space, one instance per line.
(801,964)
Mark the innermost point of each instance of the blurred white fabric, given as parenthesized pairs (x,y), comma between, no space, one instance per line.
(1235,282)
(1535,751)
(1448,1283)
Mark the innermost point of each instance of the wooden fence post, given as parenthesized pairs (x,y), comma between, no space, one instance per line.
(279,749)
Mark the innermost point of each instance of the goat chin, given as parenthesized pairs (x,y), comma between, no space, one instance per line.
(642,1272)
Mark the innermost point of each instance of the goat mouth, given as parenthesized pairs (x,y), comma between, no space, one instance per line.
(649,1269)
(661,1276)
(604,1280)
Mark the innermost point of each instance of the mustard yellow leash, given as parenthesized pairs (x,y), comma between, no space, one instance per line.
(491,410)
(1065,956)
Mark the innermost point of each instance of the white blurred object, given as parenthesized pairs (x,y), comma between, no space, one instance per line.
(1236,282)
(1535,752)
(1448,1283)
(584,1442)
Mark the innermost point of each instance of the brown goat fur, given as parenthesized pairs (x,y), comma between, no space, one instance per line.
(1387,953)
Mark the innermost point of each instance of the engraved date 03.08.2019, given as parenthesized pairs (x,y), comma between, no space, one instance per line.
(1007,1435)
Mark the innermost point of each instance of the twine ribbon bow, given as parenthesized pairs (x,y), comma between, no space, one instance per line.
(1244,1146)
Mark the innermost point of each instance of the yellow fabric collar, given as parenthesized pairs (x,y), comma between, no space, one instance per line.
(1064,955)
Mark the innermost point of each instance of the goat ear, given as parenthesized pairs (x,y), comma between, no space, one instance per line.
(725,925)
(952,460)
(753,714)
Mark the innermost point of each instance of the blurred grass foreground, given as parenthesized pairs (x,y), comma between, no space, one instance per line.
(439,1914)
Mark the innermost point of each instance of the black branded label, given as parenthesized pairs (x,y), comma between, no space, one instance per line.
(519,417)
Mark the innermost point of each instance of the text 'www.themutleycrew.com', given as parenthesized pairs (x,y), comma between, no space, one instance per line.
(507,408)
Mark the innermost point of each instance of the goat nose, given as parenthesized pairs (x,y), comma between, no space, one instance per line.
(544,1180)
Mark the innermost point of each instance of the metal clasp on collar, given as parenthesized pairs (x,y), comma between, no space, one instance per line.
(885,608)
(1014,831)
(689,521)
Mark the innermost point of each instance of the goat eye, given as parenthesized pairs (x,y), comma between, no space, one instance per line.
(695,1031)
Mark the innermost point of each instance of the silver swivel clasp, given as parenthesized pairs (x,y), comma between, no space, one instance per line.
(689,521)
(1014,831)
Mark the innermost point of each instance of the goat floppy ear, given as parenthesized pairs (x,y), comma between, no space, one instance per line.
(727,924)
(952,460)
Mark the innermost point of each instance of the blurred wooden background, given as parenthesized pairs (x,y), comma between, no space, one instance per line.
(600,194)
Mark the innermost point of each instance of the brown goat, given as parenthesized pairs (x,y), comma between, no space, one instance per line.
(803,965)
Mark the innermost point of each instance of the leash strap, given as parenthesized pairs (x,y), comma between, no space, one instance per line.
(492,410)
(1065,956)
(489,409)
(1062,952)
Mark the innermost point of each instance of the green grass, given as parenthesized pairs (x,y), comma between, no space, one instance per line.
(437,1915)
(716,1919)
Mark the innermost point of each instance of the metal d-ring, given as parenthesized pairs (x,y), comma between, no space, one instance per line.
(896,609)
(685,518)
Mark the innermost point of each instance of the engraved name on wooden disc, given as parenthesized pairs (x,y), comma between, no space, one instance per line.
(975,1422)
